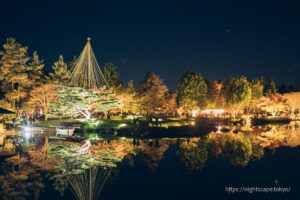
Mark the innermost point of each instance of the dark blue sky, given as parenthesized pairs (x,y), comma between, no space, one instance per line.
(216,38)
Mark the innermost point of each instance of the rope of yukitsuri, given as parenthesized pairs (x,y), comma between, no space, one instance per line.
(88,185)
(86,72)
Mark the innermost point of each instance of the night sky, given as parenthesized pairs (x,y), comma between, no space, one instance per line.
(216,38)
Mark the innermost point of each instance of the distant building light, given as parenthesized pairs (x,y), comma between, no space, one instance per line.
(195,113)
(213,111)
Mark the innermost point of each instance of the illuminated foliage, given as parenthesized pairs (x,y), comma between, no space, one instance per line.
(257,88)
(192,87)
(187,106)
(41,97)
(237,93)
(129,99)
(170,107)
(61,73)
(215,95)
(36,68)
(75,101)
(274,105)
(14,71)
(152,91)
(293,100)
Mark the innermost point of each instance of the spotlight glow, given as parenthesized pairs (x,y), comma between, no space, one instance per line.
(122,125)
(27,135)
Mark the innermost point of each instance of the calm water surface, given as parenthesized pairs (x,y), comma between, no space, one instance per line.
(196,168)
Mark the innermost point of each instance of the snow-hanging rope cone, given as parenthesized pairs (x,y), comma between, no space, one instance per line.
(86,72)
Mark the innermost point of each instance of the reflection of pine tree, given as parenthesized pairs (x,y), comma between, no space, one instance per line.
(86,185)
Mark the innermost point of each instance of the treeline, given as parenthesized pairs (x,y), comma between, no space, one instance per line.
(26,85)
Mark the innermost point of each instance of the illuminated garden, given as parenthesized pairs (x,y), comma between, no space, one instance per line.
(75,126)
(158,104)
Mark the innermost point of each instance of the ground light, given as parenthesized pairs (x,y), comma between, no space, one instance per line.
(122,125)
(219,128)
(130,117)
(27,134)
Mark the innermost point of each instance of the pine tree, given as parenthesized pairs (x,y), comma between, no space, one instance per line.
(111,75)
(61,73)
(36,70)
(14,76)
(270,88)
(77,101)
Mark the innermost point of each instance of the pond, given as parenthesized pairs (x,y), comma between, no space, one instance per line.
(260,165)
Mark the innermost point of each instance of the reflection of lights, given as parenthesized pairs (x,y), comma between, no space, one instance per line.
(122,125)
(219,128)
(213,111)
(27,135)
(159,119)
(27,132)
(27,129)
(195,113)
(193,123)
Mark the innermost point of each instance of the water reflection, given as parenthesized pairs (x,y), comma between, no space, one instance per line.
(85,175)
(152,152)
(193,153)
(23,183)
(86,185)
